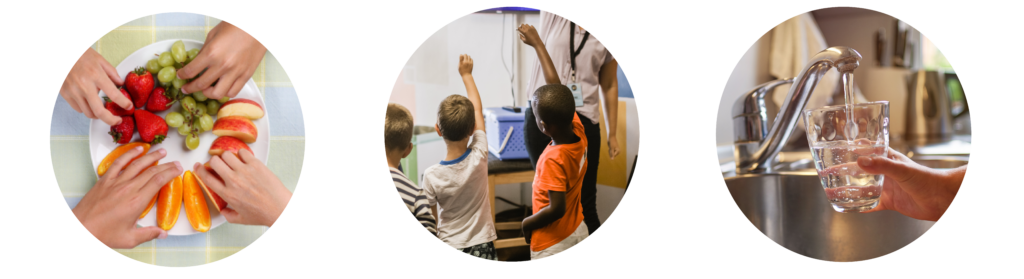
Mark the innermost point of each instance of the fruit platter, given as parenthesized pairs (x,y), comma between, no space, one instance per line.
(190,127)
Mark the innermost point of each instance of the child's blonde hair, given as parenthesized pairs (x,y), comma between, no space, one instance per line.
(397,127)
(455,117)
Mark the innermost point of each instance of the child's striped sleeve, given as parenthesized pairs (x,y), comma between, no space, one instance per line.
(415,201)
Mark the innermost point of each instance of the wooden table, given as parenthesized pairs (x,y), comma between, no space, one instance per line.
(507,172)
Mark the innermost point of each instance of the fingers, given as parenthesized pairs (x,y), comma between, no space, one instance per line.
(231,215)
(141,235)
(115,95)
(237,87)
(111,73)
(202,82)
(247,157)
(160,175)
(122,161)
(96,105)
(142,163)
(902,172)
(232,160)
(80,96)
(222,169)
(208,178)
(223,85)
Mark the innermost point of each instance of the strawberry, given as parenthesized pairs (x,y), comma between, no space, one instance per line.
(152,128)
(139,84)
(124,131)
(160,100)
(116,109)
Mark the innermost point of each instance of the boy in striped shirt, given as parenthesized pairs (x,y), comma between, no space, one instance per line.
(398,144)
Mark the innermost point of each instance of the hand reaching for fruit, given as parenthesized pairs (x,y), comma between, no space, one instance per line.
(227,61)
(253,192)
(88,76)
(110,209)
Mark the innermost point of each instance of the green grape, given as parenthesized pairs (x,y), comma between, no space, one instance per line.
(199,96)
(153,66)
(178,51)
(192,53)
(224,100)
(188,104)
(200,108)
(212,107)
(177,83)
(196,126)
(167,74)
(165,59)
(192,141)
(185,128)
(174,119)
(206,122)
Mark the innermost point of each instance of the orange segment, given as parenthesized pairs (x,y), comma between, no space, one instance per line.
(120,150)
(195,203)
(168,204)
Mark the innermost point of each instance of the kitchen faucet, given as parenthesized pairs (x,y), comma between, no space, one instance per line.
(757,141)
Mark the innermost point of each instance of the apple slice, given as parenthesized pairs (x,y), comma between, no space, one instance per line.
(235,126)
(219,202)
(227,144)
(241,107)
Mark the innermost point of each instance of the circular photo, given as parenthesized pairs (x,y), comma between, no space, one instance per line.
(511,134)
(161,139)
(843,134)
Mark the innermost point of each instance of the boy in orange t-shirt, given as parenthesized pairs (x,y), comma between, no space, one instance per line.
(557,220)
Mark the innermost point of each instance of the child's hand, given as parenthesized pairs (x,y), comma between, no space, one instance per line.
(81,88)
(254,193)
(527,234)
(110,209)
(230,57)
(529,35)
(465,65)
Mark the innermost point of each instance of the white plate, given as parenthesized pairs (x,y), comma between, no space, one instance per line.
(100,143)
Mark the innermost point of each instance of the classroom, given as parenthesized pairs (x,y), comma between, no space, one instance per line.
(495,141)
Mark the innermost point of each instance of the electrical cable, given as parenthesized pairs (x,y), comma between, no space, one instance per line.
(511,75)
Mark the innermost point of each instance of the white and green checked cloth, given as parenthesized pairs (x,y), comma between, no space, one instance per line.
(69,140)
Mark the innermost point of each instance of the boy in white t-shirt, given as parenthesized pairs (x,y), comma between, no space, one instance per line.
(456,189)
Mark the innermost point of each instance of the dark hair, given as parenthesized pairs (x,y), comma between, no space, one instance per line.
(397,127)
(455,117)
(555,105)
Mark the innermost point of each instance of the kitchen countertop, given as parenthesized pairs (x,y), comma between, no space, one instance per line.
(69,140)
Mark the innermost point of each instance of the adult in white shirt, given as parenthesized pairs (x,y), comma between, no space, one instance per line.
(571,56)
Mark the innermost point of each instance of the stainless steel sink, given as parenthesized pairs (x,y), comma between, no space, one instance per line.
(790,208)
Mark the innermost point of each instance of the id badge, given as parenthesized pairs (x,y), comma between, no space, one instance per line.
(577,93)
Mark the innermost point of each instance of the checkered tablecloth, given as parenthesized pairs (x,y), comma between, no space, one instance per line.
(69,139)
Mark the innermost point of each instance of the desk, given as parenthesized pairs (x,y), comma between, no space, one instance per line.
(507,172)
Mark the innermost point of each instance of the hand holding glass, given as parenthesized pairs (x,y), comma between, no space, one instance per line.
(836,143)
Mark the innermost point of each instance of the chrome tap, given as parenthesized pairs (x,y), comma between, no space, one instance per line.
(757,141)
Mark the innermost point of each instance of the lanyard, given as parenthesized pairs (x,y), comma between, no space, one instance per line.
(572,45)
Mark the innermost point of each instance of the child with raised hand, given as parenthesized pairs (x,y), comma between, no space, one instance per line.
(398,127)
(557,220)
(456,188)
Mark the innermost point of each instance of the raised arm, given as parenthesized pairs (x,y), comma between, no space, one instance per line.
(610,86)
(466,71)
(530,37)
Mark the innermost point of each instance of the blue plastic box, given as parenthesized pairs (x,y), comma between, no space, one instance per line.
(505,133)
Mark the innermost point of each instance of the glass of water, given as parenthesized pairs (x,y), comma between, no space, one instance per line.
(837,138)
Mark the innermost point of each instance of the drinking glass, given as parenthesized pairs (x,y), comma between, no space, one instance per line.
(836,142)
